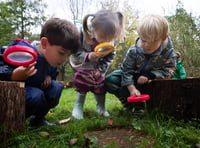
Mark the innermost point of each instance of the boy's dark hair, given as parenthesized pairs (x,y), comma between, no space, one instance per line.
(62,33)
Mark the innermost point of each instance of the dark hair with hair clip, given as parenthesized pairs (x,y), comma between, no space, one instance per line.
(86,30)
(109,23)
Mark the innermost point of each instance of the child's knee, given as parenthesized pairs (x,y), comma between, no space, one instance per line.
(35,96)
(113,81)
(58,87)
(54,91)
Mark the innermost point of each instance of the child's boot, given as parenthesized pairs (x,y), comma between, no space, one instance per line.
(77,112)
(101,105)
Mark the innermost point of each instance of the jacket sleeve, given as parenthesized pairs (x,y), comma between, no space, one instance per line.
(5,70)
(128,67)
(168,69)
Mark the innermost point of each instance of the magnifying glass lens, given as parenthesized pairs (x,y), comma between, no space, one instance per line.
(20,56)
(104,49)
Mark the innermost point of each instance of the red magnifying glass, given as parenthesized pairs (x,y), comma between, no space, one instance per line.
(19,55)
(103,49)
(139,98)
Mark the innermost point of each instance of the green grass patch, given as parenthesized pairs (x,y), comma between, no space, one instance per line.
(166,131)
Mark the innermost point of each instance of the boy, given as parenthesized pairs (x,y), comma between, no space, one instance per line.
(58,40)
(152,57)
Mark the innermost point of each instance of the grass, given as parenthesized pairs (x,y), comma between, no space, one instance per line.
(168,132)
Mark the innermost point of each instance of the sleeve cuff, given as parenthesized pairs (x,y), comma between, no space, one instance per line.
(149,75)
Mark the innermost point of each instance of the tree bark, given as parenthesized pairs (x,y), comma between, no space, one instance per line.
(179,98)
(12,108)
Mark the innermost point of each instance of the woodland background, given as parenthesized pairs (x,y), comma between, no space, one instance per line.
(21,19)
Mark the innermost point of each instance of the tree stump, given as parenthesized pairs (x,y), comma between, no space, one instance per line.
(179,98)
(12,110)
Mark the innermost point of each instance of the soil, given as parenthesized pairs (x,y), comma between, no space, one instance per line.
(118,137)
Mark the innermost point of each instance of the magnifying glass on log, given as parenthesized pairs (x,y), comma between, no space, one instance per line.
(19,55)
(104,49)
(139,98)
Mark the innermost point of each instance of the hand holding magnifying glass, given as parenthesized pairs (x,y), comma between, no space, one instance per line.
(139,98)
(103,49)
(20,55)
(21,73)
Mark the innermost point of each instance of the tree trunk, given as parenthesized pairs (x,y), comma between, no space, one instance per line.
(12,110)
(179,98)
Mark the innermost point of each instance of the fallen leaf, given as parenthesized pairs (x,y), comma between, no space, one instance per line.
(110,121)
(44,134)
(52,136)
(50,112)
(73,141)
(64,120)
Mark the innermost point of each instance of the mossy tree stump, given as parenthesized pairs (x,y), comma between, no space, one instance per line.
(12,110)
(179,98)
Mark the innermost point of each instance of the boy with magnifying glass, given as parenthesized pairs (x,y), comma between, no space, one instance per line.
(58,40)
(151,57)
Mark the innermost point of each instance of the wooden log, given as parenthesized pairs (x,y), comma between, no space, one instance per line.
(12,110)
(179,98)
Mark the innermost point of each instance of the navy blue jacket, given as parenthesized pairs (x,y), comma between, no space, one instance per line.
(5,69)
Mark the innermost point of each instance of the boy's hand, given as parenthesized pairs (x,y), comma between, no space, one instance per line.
(93,57)
(133,90)
(46,82)
(22,73)
(142,80)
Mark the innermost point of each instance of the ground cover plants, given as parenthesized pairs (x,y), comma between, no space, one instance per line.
(121,129)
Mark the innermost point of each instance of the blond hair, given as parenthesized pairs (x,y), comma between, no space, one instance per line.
(153,27)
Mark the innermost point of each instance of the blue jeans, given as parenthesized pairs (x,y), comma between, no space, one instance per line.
(40,101)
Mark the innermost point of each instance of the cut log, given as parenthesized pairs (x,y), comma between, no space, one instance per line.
(179,98)
(12,110)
